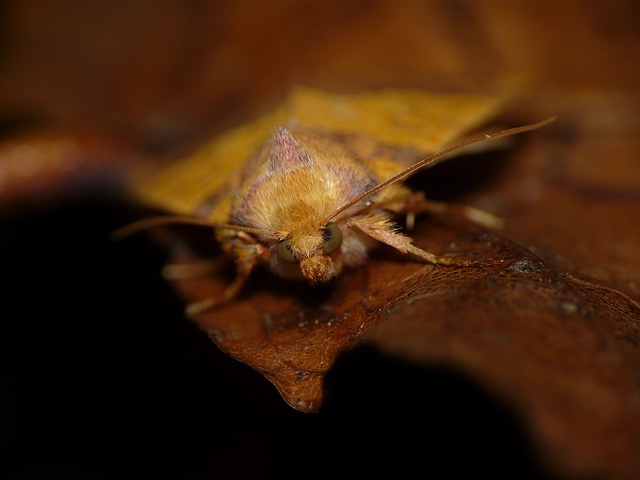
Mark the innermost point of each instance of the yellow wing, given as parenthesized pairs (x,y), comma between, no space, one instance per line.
(391,129)
(372,125)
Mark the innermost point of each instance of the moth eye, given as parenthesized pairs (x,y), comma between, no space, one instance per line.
(285,252)
(332,237)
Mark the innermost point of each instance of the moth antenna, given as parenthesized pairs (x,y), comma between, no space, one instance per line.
(436,158)
(152,222)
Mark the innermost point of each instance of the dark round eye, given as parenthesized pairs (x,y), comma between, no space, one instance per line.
(285,252)
(332,237)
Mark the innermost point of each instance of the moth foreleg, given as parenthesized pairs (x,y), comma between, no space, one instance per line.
(245,265)
(246,258)
(195,269)
(385,231)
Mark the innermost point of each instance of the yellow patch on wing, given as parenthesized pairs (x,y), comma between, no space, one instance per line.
(204,183)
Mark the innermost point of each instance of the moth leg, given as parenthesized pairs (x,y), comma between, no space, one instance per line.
(417,203)
(385,231)
(246,260)
(195,308)
(244,268)
(196,269)
(232,290)
(246,255)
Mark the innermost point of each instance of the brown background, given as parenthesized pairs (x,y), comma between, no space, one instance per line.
(105,379)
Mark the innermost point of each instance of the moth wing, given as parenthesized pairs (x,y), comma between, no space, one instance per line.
(203,183)
(387,129)
(391,129)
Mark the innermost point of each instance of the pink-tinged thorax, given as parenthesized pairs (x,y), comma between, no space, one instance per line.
(294,189)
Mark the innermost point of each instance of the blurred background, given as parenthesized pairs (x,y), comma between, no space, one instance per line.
(102,377)
(181,68)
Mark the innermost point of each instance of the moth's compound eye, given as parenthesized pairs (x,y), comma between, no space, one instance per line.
(285,252)
(332,237)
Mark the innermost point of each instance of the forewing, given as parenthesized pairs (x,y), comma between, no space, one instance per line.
(391,129)
(386,129)
(203,183)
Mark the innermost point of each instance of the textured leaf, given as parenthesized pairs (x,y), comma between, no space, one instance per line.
(552,335)
(564,350)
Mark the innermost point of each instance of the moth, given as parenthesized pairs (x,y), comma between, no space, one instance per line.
(311,187)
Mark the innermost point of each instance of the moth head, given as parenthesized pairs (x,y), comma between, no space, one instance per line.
(312,250)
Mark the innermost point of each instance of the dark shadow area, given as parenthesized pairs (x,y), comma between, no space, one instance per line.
(104,378)
(386,416)
(461,177)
